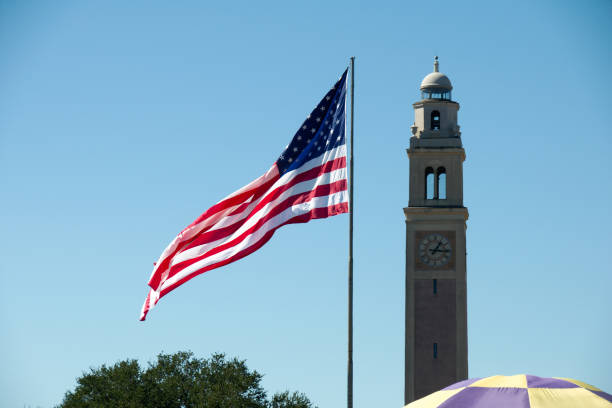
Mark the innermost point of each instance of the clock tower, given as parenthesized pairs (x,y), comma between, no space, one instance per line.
(436,298)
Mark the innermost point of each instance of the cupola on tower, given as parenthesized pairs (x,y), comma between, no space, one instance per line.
(436,298)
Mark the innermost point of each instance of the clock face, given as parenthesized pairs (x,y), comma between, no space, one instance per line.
(435,250)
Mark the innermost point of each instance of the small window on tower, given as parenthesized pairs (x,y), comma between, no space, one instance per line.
(441,180)
(435,286)
(429,183)
(435,350)
(435,120)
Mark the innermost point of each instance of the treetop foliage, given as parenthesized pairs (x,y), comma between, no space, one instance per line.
(178,380)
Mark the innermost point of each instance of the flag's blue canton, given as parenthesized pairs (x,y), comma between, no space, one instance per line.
(323,130)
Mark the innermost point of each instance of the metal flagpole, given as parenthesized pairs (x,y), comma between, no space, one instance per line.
(350,260)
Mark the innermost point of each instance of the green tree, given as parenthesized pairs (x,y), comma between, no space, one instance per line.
(287,400)
(178,381)
(117,386)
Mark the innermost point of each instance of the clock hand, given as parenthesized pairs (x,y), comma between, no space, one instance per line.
(433,251)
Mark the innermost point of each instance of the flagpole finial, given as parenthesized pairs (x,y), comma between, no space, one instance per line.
(436,64)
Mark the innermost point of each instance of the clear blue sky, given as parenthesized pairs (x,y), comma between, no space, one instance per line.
(120,122)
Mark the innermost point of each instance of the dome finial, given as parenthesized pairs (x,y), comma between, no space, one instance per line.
(436,81)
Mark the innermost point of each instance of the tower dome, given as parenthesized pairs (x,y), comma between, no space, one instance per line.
(436,85)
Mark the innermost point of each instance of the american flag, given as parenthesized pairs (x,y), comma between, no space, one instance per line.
(307,181)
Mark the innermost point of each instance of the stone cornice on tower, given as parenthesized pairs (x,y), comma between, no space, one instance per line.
(441,214)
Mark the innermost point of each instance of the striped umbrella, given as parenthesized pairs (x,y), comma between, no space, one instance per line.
(517,391)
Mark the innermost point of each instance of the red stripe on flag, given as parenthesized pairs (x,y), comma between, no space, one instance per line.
(234,200)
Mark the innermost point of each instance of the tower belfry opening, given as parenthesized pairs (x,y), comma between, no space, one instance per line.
(435,120)
(435,244)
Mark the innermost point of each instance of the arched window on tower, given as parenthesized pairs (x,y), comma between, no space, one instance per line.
(435,120)
(441,183)
(429,183)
